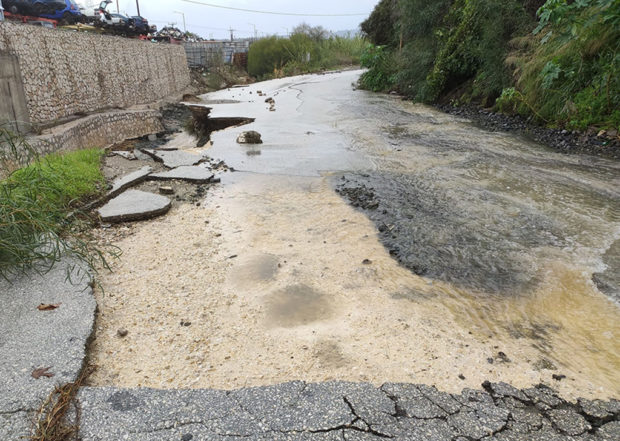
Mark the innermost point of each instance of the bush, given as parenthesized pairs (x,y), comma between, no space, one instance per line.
(267,55)
(305,51)
(381,72)
(572,76)
(39,222)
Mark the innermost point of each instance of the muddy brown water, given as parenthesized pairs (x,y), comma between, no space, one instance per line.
(469,253)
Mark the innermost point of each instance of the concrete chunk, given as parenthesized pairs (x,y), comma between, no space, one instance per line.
(128,181)
(174,158)
(193,174)
(134,205)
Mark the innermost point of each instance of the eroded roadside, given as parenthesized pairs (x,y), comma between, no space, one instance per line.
(274,277)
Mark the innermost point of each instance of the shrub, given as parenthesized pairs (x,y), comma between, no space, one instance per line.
(267,55)
(305,51)
(572,76)
(381,72)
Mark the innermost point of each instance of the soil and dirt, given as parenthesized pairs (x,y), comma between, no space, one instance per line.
(272,276)
(605,144)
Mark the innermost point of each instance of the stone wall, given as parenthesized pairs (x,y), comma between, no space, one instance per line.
(68,73)
(98,130)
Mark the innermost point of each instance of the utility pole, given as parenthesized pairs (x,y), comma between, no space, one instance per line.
(183,14)
(138,8)
(232,37)
(118,11)
(255,31)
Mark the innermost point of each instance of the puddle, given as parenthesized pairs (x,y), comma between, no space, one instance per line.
(297,305)
(261,268)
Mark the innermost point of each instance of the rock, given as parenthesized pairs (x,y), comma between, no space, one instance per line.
(192,174)
(366,262)
(152,137)
(249,137)
(166,190)
(122,332)
(134,205)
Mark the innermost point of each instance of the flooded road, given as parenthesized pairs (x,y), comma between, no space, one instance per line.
(368,239)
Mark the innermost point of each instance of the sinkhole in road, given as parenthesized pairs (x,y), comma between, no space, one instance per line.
(202,125)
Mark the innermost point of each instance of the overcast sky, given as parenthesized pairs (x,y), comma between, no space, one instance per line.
(214,22)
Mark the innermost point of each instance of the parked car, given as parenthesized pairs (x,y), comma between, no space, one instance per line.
(63,10)
(23,7)
(141,25)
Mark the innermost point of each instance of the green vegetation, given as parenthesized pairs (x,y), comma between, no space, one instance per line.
(39,219)
(557,61)
(308,49)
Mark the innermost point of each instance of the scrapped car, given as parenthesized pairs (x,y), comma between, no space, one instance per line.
(89,14)
(66,10)
(23,7)
(141,25)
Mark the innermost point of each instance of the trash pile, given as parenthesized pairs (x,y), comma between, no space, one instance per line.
(177,34)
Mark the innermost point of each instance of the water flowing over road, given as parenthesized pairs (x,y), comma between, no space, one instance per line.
(378,240)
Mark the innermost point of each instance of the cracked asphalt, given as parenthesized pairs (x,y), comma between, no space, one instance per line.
(343,411)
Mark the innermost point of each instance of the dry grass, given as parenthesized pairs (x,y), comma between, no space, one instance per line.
(50,423)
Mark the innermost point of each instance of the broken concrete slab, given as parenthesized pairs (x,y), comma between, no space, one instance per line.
(128,181)
(31,338)
(134,205)
(174,158)
(142,156)
(195,174)
(130,156)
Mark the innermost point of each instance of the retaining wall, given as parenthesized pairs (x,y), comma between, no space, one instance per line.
(68,73)
(98,130)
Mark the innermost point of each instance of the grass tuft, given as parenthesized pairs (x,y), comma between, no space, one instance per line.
(40,221)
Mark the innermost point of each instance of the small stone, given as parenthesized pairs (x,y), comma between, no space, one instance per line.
(503,357)
(122,332)
(461,376)
(557,377)
(187,437)
(366,262)
(152,137)
(166,190)
(249,137)
(185,324)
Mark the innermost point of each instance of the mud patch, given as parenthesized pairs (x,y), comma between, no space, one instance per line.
(261,268)
(608,281)
(432,230)
(297,305)
(330,355)
(413,296)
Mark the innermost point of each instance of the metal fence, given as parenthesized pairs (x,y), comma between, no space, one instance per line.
(212,53)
